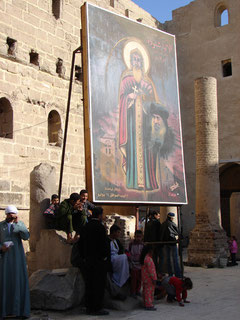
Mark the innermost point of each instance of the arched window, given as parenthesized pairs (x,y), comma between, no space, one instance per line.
(224,17)
(6,119)
(221,15)
(54,128)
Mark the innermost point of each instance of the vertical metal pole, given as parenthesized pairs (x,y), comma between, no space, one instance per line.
(137,218)
(146,220)
(66,121)
(180,238)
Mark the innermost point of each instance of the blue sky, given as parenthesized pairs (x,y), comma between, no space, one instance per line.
(161,9)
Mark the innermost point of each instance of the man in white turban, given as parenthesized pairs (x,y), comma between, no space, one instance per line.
(14,288)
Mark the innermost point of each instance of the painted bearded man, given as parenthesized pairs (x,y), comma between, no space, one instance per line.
(142,121)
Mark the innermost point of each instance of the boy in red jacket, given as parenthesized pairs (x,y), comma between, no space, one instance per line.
(177,289)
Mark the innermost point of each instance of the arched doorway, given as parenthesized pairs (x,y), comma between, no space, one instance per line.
(54,129)
(6,118)
(230,197)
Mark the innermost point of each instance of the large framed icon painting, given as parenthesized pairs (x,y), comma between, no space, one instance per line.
(134,150)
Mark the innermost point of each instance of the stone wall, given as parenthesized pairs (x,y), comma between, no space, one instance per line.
(34,89)
(202,45)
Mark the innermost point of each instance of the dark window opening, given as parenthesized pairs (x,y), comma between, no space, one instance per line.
(56,4)
(127,13)
(6,119)
(54,129)
(112,3)
(139,19)
(227,68)
(34,58)
(12,46)
(60,69)
(78,73)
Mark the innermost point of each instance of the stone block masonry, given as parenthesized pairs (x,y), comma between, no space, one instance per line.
(208,241)
(33,90)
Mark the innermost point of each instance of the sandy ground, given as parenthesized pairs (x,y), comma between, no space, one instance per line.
(215,295)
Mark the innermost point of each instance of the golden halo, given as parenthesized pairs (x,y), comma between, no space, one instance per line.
(129,47)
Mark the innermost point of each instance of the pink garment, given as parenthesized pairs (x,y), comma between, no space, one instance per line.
(50,210)
(148,276)
(233,246)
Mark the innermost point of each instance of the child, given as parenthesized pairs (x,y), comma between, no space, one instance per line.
(135,249)
(233,247)
(160,291)
(50,212)
(149,277)
(177,289)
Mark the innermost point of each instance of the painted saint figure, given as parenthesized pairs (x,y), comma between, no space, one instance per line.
(142,120)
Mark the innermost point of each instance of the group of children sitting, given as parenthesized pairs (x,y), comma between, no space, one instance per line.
(139,258)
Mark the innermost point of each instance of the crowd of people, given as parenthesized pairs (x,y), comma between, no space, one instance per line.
(106,264)
(103,261)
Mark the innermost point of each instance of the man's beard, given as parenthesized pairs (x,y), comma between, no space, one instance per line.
(137,73)
(11,219)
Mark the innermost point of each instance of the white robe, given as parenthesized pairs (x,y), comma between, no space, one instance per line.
(14,289)
(120,265)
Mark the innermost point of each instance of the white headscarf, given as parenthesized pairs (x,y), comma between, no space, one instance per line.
(11,209)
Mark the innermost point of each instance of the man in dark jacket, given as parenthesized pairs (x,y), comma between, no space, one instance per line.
(64,215)
(152,228)
(96,251)
(152,234)
(169,232)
